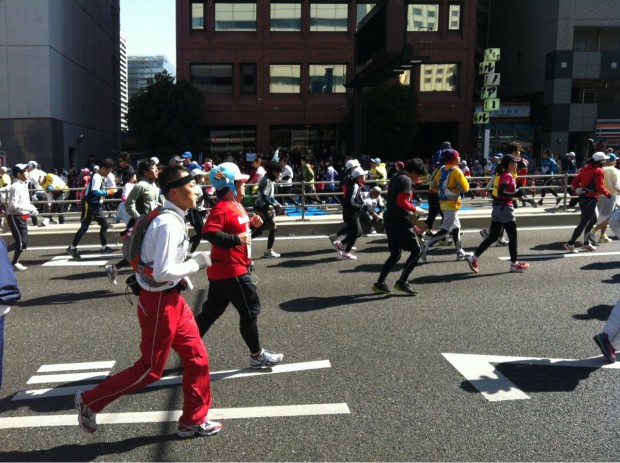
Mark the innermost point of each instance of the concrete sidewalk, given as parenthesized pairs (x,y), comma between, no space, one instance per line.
(476,216)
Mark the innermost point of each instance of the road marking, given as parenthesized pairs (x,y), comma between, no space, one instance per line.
(174,380)
(86,261)
(562,255)
(67,377)
(495,387)
(44,421)
(76,366)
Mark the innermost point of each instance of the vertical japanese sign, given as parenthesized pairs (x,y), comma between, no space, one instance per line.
(489,91)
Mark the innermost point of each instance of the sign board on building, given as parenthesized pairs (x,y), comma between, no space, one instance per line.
(481,117)
(486,67)
(492,54)
(491,79)
(488,92)
(491,104)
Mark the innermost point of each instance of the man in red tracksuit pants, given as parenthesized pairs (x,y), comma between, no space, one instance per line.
(166,321)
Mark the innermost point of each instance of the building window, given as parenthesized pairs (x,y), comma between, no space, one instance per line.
(328,17)
(454,18)
(285,78)
(248,79)
(362,10)
(222,142)
(581,45)
(327,78)
(285,17)
(198,15)
(235,17)
(423,17)
(438,77)
(212,79)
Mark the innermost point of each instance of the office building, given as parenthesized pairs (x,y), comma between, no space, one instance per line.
(274,73)
(142,68)
(59,80)
(562,57)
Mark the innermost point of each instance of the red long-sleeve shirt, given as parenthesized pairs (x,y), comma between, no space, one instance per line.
(591,178)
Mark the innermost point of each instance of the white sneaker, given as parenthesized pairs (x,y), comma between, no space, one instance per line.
(111,271)
(462,256)
(271,253)
(265,359)
(373,231)
(19,267)
(588,247)
(348,256)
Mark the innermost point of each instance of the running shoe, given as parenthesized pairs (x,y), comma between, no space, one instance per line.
(271,253)
(333,238)
(347,256)
(423,251)
(461,256)
(519,267)
(339,247)
(607,349)
(604,239)
(405,287)
(266,359)
(485,232)
(570,248)
(208,428)
(74,252)
(111,271)
(381,288)
(587,247)
(106,249)
(473,263)
(502,242)
(19,267)
(87,419)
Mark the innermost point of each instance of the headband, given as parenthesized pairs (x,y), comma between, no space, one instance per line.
(177,183)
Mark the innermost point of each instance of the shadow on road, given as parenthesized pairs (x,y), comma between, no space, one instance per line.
(66,298)
(307,304)
(598,312)
(88,452)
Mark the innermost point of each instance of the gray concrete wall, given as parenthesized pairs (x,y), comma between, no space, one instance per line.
(59,78)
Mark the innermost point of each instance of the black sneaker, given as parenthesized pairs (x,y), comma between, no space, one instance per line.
(106,250)
(74,252)
(381,288)
(606,347)
(405,287)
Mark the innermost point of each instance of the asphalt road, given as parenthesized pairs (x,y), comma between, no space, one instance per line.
(369,370)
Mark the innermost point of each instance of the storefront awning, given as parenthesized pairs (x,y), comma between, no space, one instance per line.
(607,128)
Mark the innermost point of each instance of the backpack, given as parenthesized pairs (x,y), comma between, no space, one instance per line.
(132,243)
(444,191)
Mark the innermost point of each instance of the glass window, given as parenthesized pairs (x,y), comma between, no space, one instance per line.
(362,10)
(235,17)
(248,79)
(198,15)
(285,17)
(454,18)
(212,78)
(581,45)
(423,17)
(285,78)
(327,78)
(328,17)
(438,77)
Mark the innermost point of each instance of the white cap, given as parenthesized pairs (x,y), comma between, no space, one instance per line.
(357,172)
(155,160)
(571,154)
(196,172)
(351,164)
(600,156)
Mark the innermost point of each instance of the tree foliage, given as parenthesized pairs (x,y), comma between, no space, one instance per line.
(390,121)
(167,116)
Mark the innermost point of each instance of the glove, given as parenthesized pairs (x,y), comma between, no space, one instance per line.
(202,259)
(579,191)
